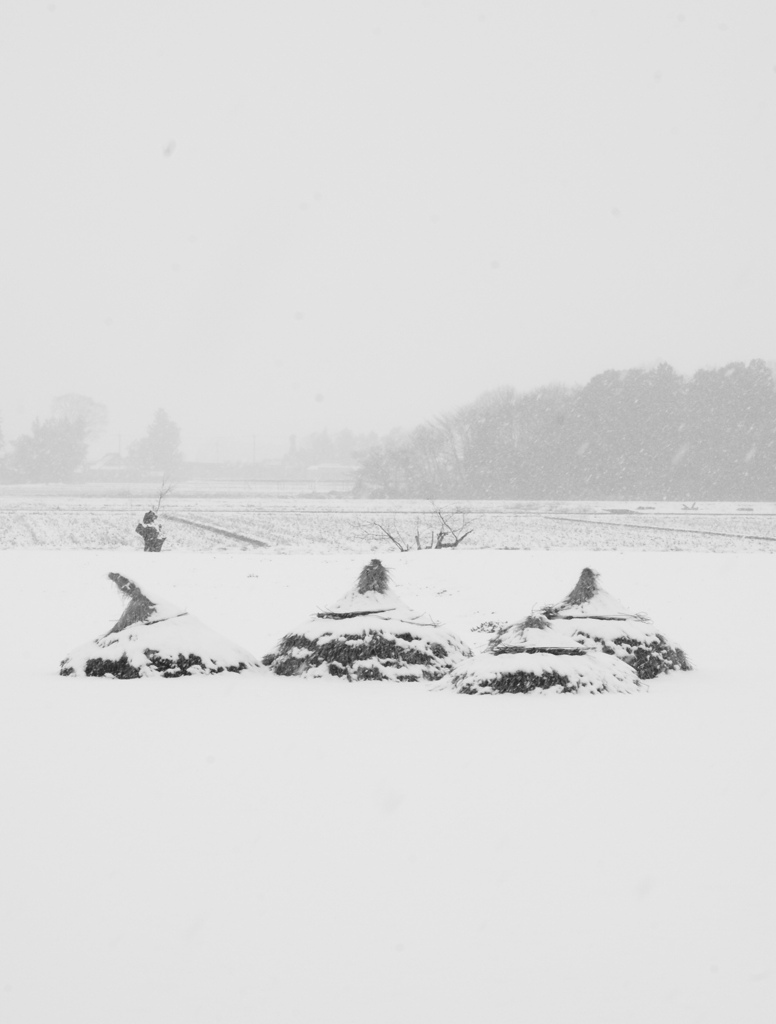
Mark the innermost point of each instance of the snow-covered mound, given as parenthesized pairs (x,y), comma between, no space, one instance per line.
(589,612)
(154,637)
(533,655)
(593,672)
(370,633)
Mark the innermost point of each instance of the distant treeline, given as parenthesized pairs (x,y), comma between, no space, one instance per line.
(644,433)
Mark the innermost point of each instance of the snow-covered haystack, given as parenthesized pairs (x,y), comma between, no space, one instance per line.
(589,611)
(533,655)
(370,633)
(154,637)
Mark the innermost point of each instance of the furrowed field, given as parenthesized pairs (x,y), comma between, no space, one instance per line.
(212,519)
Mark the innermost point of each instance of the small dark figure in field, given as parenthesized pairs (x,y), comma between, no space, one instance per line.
(151,532)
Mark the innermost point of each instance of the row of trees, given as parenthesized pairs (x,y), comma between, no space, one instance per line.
(56,448)
(642,433)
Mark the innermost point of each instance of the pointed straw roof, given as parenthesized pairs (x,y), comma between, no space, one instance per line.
(140,607)
(588,600)
(370,595)
(374,577)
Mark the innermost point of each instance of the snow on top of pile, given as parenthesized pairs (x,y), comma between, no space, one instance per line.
(593,673)
(588,599)
(372,603)
(167,639)
(387,623)
(536,633)
(608,629)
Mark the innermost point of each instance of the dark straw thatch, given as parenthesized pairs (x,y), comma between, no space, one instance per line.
(368,634)
(373,578)
(592,613)
(154,638)
(139,608)
(585,589)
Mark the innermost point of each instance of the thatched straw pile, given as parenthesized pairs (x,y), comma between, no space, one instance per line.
(532,655)
(155,638)
(590,612)
(368,634)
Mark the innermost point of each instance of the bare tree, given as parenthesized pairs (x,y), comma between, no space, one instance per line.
(441,527)
(453,527)
(164,489)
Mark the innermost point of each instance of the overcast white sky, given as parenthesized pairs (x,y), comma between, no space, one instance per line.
(277,216)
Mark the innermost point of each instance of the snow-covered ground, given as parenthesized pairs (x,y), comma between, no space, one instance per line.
(235,849)
(212,521)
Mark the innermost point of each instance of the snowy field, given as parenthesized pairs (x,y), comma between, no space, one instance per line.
(209,519)
(228,850)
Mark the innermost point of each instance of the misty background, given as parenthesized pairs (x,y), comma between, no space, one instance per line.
(640,433)
(304,220)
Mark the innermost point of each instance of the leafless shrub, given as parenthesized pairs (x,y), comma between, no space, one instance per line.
(164,489)
(441,527)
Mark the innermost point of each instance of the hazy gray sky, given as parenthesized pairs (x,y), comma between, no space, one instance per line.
(279,216)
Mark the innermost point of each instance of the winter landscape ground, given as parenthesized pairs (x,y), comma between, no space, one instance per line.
(211,517)
(244,848)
